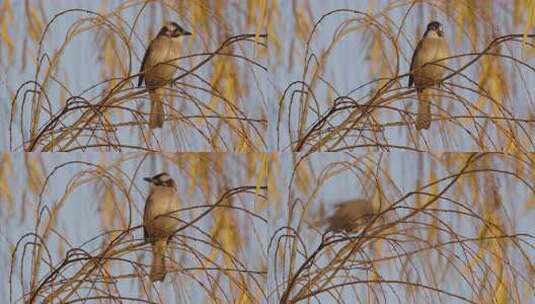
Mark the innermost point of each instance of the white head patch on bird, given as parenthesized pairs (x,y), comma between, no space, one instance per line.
(436,27)
(162,180)
(172,29)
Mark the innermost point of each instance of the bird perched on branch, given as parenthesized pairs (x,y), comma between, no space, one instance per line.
(158,68)
(349,216)
(160,220)
(432,47)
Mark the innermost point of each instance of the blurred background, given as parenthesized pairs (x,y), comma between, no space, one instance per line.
(454,228)
(60,59)
(339,71)
(63,210)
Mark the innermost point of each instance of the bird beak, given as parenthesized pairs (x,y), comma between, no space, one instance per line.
(147,179)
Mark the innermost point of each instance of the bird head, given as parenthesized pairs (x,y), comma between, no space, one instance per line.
(161,180)
(436,27)
(173,30)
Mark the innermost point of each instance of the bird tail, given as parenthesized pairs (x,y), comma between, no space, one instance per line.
(423,118)
(158,271)
(156,109)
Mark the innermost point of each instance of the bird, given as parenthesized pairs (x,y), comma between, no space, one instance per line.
(432,47)
(350,216)
(160,220)
(158,68)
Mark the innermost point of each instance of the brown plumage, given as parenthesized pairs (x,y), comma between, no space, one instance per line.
(158,68)
(350,216)
(160,220)
(432,47)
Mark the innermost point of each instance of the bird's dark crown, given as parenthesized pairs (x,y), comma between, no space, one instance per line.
(162,179)
(172,29)
(434,26)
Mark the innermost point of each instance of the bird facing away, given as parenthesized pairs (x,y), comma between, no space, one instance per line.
(158,68)
(432,47)
(160,220)
(350,216)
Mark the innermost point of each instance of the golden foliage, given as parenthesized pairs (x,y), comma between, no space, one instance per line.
(6,174)
(6,21)
(35,173)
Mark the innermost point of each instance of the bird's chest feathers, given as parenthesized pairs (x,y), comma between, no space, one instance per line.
(162,200)
(431,49)
(163,49)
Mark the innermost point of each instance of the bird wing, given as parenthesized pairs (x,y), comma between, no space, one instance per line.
(147,204)
(416,50)
(140,77)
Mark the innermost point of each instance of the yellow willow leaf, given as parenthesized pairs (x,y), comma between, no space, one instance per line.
(6,38)
(193,171)
(224,231)
(230,88)
(204,173)
(35,174)
(35,24)
(419,180)
(199,14)
(466,15)
(230,241)
(483,231)
(518,11)
(251,8)
(375,54)
(112,64)
(303,178)
(6,174)
(242,145)
(500,294)
(107,211)
(274,41)
(303,24)
(244,297)
(473,184)
(472,262)
(497,81)
(433,233)
(511,147)
(261,22)
(217,75)
(218,163)
(252,165)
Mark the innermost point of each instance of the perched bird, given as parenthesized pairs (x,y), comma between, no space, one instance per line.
(350,216)
(158,68)
(432,47)
(160,220)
